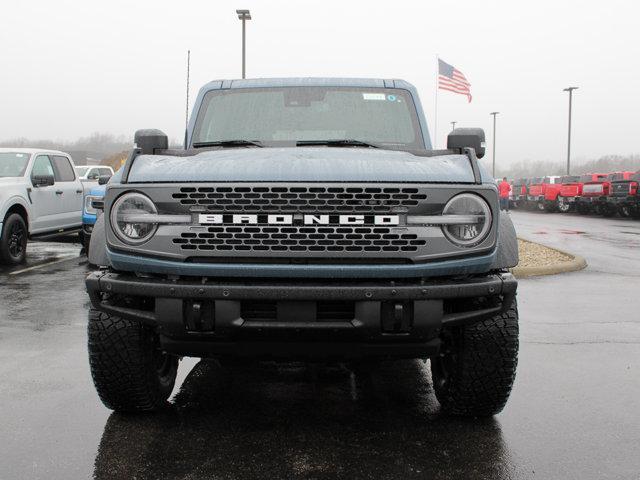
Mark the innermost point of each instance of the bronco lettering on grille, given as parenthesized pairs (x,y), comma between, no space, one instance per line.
(286,219)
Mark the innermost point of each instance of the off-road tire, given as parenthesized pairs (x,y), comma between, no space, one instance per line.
(129,371)
(475,372)
(13,242)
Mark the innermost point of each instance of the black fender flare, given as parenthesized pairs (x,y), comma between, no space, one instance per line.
(507,246)
(98,246)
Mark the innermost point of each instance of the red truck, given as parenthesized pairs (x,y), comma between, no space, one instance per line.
(570,189)
(543,193)
(595,188)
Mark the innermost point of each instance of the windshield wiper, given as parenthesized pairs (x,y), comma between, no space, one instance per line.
(229,143)
(347,142)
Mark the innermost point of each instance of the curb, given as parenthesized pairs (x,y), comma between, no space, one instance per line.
(576,263)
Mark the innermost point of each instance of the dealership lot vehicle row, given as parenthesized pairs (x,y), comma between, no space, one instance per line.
(594,193)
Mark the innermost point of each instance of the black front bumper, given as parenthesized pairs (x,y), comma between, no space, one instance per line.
(293,318)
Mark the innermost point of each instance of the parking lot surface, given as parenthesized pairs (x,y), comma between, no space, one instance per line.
(573,413)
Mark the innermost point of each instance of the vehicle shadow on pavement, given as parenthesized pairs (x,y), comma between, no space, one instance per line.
(270,420)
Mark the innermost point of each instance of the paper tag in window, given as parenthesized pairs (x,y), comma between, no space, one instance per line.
(374,96)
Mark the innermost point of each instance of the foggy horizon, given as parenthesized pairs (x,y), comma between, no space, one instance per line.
(118,67)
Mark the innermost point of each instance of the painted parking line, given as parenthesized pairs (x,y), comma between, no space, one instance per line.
(42,265)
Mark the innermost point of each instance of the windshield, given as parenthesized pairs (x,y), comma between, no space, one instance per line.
(570,179)
(13,164)
(81,171)
(283,116)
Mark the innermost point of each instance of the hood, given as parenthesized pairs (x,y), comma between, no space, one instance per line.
(302,164)
(98,191)
(5,180)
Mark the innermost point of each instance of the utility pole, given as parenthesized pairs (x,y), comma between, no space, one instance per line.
(494,143)
(570,90)
(453,125)
(244,15)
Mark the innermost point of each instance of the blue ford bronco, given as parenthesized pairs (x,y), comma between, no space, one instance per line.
(306,219)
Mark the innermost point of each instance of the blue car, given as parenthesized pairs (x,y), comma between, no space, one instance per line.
(90,214)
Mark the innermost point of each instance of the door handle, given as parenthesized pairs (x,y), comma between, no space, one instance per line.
(78,191)
(59,192)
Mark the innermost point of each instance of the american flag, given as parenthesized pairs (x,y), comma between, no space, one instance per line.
(453,80)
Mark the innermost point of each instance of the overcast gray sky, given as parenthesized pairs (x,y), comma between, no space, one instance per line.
(70,68)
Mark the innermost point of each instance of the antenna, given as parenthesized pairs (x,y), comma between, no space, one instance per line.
(186,119)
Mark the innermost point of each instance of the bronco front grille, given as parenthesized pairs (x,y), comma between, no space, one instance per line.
(243,238)
(296,199)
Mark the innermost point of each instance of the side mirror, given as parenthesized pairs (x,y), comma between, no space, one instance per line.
(42,180)
(467,138)
(150,140)
(104,179)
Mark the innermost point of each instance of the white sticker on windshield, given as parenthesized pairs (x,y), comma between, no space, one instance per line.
(374,96)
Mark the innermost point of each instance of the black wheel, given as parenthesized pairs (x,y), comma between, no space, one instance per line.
(13,244)
(474,374)
(130,372)
(540,206)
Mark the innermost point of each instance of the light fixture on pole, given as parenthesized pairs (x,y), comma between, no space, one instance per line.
(570,90)
(453,125)
(493,171)
(244,15)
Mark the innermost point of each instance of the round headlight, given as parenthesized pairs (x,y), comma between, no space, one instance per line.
(128,218)
(474,219)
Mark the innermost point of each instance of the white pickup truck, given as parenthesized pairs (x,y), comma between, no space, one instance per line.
(40,197)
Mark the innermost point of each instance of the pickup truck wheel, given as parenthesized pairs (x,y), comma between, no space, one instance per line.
(564,207)
(540,206)
(85,240)
(474,374)
(129,372)
(13,244)
(624,211)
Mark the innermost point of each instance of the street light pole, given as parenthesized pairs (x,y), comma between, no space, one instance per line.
(494,143)
(244,15)
(453,125)
(570,90)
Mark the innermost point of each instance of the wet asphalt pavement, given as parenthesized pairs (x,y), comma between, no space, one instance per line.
(574,412)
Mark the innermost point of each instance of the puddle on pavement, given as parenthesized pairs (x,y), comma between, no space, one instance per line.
(573,232)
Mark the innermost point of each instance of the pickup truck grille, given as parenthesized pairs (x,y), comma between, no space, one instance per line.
(243,238)
(297,199)
(621,188)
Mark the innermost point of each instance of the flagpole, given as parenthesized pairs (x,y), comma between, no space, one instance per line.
(435,118)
